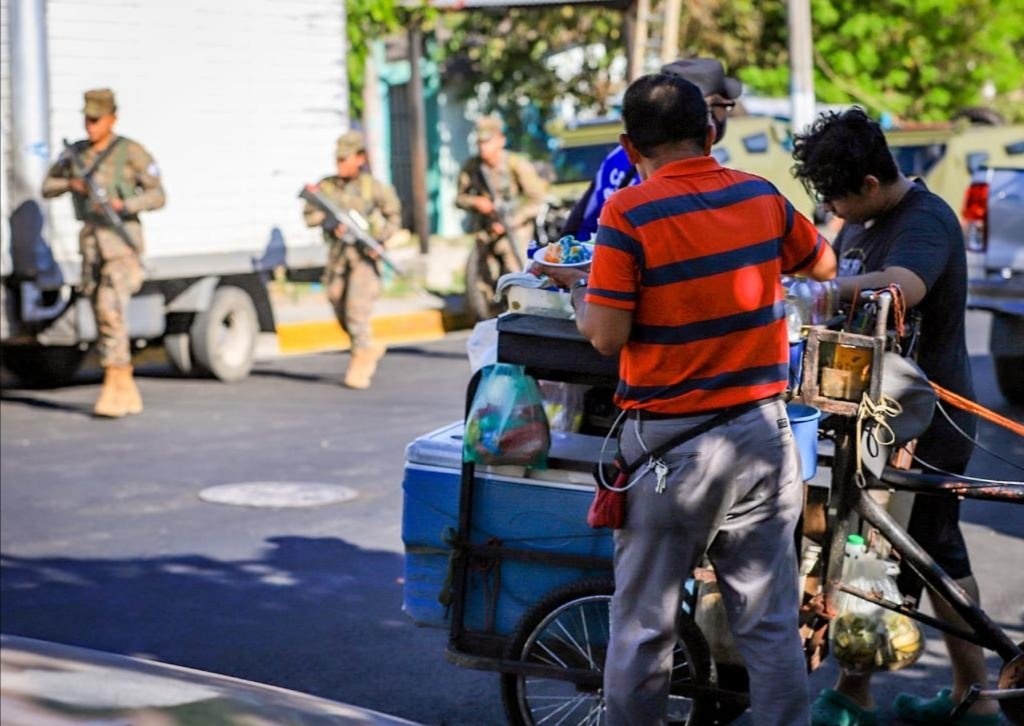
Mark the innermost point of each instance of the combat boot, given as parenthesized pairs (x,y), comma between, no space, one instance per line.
(363,366)
(111,403)
(129,391)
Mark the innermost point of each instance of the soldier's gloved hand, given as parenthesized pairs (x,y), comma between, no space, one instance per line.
(497,228)
(340,230)
(117,205)
(78,185)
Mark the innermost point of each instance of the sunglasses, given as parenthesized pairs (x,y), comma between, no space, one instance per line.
(727,105)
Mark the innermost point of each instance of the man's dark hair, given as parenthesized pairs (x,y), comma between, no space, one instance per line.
(661,109)
(839,151)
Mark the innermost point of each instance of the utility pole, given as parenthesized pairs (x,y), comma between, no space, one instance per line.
(670,31)
(417,117)
(641,9)
(801,65)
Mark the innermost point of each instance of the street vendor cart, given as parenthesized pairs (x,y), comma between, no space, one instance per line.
(503,558)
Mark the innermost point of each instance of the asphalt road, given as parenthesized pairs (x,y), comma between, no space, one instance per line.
(106,543)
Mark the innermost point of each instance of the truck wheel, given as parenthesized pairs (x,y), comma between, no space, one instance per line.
(1010,377)
(40,366)
(223,337)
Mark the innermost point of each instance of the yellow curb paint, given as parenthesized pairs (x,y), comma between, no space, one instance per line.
(307,337)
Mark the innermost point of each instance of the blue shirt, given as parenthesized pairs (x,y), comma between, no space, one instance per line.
(607,180)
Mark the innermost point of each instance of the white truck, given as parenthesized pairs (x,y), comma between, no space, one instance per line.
(240,103)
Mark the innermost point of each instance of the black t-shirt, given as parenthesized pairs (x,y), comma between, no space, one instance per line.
(922,234)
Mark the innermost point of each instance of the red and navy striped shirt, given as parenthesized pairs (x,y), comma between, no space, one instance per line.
(696,252)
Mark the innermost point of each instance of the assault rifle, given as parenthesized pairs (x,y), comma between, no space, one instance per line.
(500,214)
(97,193)
(354,223)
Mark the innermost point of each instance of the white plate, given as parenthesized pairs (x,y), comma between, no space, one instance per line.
(538,257)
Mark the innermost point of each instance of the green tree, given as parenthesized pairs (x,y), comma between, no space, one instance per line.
(914,59)
(501,58)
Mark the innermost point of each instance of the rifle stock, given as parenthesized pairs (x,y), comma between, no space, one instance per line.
(99,195)
(353,221)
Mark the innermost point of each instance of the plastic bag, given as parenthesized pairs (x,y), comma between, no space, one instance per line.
(563,404)
(866,637)
(482,345)
(506,422)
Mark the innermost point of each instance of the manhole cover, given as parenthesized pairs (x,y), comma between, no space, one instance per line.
(277,494)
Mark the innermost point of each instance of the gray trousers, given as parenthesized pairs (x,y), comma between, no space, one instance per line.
(733,493)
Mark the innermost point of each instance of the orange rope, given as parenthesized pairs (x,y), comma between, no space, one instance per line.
(968,405)
(899,308)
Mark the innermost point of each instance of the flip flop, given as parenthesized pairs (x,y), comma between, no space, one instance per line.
(936,711)
(832,708)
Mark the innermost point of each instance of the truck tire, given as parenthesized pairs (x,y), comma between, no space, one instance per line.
(1010,377)
(39,366)
(223,337)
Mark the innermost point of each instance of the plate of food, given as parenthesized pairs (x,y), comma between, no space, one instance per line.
(566,252)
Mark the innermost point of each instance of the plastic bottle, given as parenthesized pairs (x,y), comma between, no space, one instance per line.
(856,557)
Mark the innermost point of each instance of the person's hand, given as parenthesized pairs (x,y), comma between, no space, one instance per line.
(78,185)
(484,205)
(117,205)
(497,228)
(340,230)
(562,276)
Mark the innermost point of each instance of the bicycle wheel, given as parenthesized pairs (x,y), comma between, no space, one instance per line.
(569,629)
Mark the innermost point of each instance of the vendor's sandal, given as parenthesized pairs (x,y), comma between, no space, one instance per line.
(832,708)
(936,711)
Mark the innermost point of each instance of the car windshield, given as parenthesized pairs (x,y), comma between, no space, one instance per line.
(579,163)
(917,160)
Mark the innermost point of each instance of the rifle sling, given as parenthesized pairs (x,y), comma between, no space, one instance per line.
(103,155)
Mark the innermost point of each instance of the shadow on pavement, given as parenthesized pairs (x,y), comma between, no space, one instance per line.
(312,615)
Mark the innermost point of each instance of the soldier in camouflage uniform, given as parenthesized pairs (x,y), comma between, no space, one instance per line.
(111,268)
(351,278)
(499,188)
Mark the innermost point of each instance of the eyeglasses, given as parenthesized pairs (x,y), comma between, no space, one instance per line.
(727,105)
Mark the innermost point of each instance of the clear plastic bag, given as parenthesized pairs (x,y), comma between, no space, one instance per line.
(866,637)
(563,404)
(506,422)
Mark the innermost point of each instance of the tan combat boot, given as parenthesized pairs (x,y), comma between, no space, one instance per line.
(129,391)
(111,403)
(362,367)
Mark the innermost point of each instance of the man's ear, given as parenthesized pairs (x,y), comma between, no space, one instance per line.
(709,138)
(870,185)
(631,151)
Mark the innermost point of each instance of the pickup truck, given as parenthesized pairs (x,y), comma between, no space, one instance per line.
(993,219)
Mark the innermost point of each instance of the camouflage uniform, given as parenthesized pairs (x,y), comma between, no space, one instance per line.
(111,270)
(351,278)
(517,191)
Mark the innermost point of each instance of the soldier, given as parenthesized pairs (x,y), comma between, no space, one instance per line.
(504,194)
(351,277)
(111,267)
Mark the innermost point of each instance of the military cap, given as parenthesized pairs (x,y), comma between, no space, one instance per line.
(99,102)
(707,74)
(349,143)
(487,127)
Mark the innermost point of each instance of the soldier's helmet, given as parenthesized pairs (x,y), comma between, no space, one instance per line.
(99,102)
(349,143)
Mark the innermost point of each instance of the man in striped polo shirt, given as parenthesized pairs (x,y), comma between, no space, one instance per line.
(684,285)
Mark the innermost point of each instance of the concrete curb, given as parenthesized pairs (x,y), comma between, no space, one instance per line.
(295,337)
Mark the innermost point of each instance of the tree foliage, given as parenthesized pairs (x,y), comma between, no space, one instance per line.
(913,59)
(501,57)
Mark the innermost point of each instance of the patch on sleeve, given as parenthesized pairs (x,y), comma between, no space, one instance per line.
(783,423)
(153,169)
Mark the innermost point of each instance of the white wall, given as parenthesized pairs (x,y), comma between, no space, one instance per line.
(239,101)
